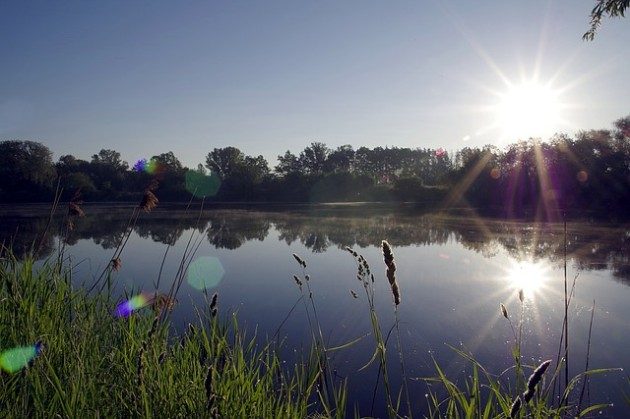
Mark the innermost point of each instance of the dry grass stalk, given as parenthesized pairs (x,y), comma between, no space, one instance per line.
(352,252)
(213,304)
(149,201)
(74,206)
(75,210)
(365,266)
(153,185)
(534,379)
(163,302)
(388,257)
(116,264)
(299,260)
(504,311)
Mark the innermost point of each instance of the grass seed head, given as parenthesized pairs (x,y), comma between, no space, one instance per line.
(536,376)
(74,206)
(388,257)
(149,201)
(213,302)
(116,264)
(352,252)
(299,260)
(75,210)
(504,311)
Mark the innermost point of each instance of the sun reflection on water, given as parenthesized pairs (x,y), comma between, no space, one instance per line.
(527,275)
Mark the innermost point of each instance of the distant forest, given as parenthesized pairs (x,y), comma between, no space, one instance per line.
(590,172)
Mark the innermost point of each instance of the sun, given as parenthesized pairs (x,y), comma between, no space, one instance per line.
(528,109)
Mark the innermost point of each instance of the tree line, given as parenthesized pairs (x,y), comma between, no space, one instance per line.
(590,171)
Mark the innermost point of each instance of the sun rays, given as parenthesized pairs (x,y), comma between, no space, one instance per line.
(528,109)
(529,276)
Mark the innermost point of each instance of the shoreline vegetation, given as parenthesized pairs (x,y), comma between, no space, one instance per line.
(533,178)
(94,358)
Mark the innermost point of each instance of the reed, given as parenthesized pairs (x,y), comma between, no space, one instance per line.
(366,277)
(534,379)
(326,380)
(388,257)
(96,364)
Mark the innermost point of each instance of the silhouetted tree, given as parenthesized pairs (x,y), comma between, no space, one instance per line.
(340,160)
(168,162)
(110,158)
(26,170)
(313,158)
(288,163)
(225,161)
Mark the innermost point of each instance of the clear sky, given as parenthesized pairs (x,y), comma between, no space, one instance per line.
(145,77)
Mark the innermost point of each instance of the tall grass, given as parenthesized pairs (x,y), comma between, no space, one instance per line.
(486,395)
(94,364)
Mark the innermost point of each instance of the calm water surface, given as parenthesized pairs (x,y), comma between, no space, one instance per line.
(453,273)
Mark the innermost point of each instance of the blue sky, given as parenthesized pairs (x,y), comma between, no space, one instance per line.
(148,77)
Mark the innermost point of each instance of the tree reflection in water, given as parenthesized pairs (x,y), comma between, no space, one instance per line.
(589,246)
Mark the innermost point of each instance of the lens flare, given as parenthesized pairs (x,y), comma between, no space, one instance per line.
(126,308)
(201,185)
(140,165)
(205,272)
(582,176)
(151,166)
(13,360)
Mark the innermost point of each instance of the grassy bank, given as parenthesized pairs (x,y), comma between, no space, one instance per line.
(93,364)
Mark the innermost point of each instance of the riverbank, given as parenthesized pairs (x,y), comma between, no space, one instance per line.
(93,363)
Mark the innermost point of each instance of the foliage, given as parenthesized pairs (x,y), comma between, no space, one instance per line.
(26,169)
(590,172)
(608,8)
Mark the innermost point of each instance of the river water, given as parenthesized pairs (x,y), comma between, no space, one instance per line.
(453,272)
